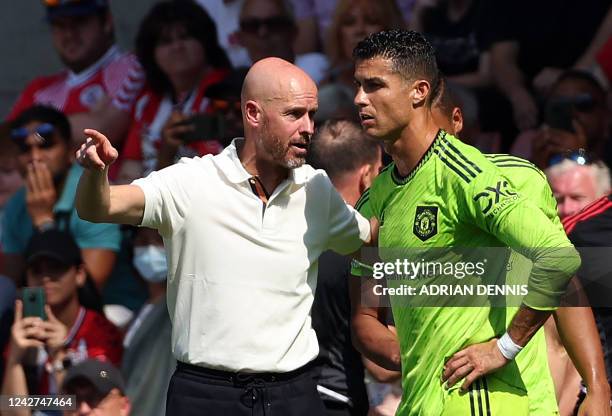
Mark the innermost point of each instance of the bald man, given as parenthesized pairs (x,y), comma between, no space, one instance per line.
(243,231)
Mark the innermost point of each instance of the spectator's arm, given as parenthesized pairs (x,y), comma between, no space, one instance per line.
(509,79)
(13,267)
(99,264)
(587,59)
(478,78)
(105,117)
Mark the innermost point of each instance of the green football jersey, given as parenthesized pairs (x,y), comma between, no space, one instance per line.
(457,197)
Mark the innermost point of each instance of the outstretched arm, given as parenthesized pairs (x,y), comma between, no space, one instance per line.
(96,200)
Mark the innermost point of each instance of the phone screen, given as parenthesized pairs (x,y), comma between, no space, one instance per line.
(205,127)
(34,302)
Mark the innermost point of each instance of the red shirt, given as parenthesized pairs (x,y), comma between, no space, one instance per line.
(76,93)
(149,115)
(91,336)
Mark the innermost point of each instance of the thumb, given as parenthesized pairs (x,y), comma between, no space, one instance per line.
(50,316)
(18,310)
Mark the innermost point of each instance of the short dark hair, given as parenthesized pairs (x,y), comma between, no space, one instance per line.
(196,22)
(410,53)
(340,147)
(45,114)
(580,75)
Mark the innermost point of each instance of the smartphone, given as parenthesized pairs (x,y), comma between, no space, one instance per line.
(205,127)
(558,115)
(34,302)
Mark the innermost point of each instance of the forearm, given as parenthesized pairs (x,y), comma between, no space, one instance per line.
(15,384)
(92,199)
(376,342)
(506,73)
(578,332)
(526,323)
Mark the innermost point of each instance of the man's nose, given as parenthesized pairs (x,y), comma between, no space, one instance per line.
(360,98)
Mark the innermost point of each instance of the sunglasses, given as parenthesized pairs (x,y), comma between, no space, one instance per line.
(44,134)
(273,24)
(580,157)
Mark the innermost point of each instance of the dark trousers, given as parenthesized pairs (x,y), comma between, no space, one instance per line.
(200,391)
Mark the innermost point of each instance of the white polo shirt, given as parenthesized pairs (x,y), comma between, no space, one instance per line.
(242,274)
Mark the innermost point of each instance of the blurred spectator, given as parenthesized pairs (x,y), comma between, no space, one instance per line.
(528,55)
(454,30)
(177,47)
(314,18)
(353,21)
(352,160)
(42,137)
(225,13)
(224,99)
(10,181)
(99,390)
(336,103)
(456,110)
(148,362)
(268,29)
(41,349)
(83,35)
(577,181)
(576,116)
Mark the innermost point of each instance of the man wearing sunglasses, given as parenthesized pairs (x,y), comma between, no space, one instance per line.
(82,33)
(267,28)
(41,136)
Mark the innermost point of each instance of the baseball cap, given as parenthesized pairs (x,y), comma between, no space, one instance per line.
(63,8)
(55,244)
(101,374)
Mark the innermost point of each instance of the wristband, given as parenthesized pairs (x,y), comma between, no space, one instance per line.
(507,347)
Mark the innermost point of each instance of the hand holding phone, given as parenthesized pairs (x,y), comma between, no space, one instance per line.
(204,127)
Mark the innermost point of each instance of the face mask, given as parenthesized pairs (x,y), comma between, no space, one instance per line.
(150,261)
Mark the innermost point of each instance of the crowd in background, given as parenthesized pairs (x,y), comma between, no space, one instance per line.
(526,78)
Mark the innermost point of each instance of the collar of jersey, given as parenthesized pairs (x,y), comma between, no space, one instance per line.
(403,180)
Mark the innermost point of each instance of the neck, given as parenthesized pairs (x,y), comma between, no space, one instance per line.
(413,142)
(184,83)
(156,291)
(79,67)
(270,174)
(67,313)
(348,187)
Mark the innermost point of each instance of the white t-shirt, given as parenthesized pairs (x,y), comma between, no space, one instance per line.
(241,278)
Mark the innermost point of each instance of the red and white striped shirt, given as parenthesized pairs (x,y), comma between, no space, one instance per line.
(75,93)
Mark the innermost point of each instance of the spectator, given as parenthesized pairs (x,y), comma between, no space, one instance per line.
(527,58)
(352,22)
(314,18)
(42,137)
(148,362)
(576,182)
(69,334)
(177,46)
(99,389)
(352,161)
(454,30)
(10,182)
(83,35)
(225,13)
(268,29)
(576,117)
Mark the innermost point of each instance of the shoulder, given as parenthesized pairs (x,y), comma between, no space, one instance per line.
(594,217)
(460,163)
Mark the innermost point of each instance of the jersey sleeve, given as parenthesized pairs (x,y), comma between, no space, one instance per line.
(167,199)
(490,203)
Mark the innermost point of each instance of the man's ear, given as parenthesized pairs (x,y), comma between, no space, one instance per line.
(366,177)
(421,90)
(81,275)
(457,120)
(253,113)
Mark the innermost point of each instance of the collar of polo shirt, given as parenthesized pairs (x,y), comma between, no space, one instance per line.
(236,173)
